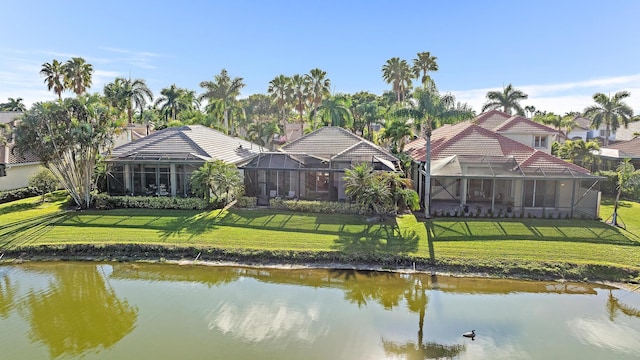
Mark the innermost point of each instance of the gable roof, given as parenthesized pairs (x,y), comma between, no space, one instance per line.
(621,150)
(336,143)
(7,117)
(522,125)
(470,141)
(187,143)
(491,119)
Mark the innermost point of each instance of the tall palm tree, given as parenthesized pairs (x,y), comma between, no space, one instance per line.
(300,94)
(77,75)
(507,99)
(397,73)
(319,89)
(335,111)
(281,91)
(430,109)
(222,93)
(560,122)
(169,101)
(611,111)
(364,115)
(54,77)
(424,63)
(13,105)
(530,110)
(128,95)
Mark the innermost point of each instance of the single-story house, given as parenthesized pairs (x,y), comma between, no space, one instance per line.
(477,167)
(15,170)
(161,164)
(614,154)
(312,167)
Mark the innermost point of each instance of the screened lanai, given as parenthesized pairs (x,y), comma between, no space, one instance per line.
(498,183)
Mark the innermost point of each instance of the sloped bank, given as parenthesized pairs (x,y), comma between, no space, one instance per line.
(354,260)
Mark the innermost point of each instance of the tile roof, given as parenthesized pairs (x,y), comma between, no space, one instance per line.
(470,140)
(332,142)
(522,125)
(187,142)
(491,119)
(15,158)
(626,149)
(582,123)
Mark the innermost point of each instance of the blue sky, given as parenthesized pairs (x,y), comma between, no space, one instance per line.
(558,52)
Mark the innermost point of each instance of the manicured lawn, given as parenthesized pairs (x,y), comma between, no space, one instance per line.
(491,243)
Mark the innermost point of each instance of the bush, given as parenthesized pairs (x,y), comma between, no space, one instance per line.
(104,201)
(18,194)
(325,207)
(247,202)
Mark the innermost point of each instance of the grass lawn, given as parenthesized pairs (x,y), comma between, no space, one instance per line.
(500,245)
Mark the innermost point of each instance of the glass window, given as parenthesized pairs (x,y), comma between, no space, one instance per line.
(540,141)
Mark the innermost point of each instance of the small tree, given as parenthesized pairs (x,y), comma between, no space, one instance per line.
(217,181)
(628,176)
(44,182)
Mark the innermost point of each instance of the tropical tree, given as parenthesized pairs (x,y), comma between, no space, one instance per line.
(611,111)
(43,181)
(13,105)
(397,133)
(217,181)
(530,110)
(262,132)
(397,73)
(281,92)
(5,133)
(259,108)
(68,137)
(564,124)
(579,152)
(221,94)
(430,109)
(334,111)
(300,94)
(319,90)
(77,75)
(169,101)
(507,99)
(364,115)
(54,77)
(628,177)
(422,65)
(128,95)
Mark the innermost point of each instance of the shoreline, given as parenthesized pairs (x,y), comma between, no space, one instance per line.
(617,277)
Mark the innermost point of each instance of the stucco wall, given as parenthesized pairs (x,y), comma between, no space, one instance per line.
(18,176)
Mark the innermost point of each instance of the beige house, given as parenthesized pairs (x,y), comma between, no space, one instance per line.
(15,169)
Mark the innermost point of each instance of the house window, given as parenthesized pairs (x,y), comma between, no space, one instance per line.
(602,133)
(540,141)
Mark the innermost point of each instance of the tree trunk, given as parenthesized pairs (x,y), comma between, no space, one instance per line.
(614,217)
(427,174)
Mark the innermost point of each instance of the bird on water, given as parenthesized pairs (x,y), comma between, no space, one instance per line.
(470,334)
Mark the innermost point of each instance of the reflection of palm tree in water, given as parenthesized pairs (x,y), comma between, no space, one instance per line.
(7,296)
(79,312)
(614,305)
(417,301)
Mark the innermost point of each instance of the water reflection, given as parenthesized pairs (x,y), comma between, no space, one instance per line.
(77,312)
(8,292)
(614,306)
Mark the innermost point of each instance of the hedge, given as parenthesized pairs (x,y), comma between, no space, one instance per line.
(104,201)
(18,194)
(325,207)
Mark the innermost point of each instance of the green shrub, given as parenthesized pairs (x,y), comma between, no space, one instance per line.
(18,194)
(324,207)
(247,202)
(104,201)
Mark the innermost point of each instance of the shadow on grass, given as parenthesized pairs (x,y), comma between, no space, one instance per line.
(27,231)
(18,207)
(386,239)
(539,230)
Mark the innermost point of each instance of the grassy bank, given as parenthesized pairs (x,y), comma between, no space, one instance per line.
(537,248)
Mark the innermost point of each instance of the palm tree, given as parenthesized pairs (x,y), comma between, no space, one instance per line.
(319,89)
(300,94)
(579,150)
(566,122)
(364,115)
(282,92)
(429,109)
(398,132)
(530,110)
(508,99)
(424,63)
(221,93)
(611,111)
(169,101)
(627,176)
(219,179)
(262,132)
(397,73)
(335,111)
(77,75)
(54,77)
(13,105)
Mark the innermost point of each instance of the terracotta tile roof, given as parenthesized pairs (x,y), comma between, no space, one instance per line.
(329,142)
(522,125)
(491,119)
(193,141)
(582,123)
(15,158)
(471,140)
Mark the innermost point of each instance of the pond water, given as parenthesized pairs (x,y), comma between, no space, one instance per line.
(67,310)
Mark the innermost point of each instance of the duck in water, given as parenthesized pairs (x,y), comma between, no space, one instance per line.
(470,334)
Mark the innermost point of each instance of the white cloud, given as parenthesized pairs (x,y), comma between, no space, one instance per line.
(563,97)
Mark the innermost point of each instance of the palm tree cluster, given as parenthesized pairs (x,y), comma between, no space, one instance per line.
(398,73)
(74,75)
(13,105)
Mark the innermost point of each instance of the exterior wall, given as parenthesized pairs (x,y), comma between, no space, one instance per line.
(528,139)
(579,133)
(18,176)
